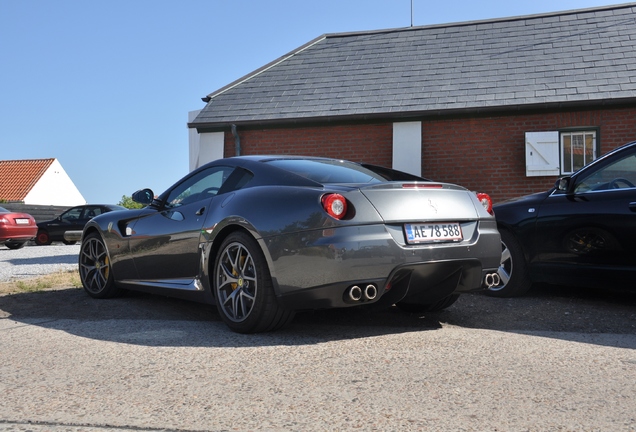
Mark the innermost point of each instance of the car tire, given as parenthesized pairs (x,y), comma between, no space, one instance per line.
(513,270)
(95,269)
(433,307)
(14,244)
(243,287)
(43,238)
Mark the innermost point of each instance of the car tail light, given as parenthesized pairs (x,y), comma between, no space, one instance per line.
(422,186)
(335,205)
(485,200)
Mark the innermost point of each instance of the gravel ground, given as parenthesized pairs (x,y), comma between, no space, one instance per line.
(559,359)
(33,261)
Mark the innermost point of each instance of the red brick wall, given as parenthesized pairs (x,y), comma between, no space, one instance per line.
(488,154)
(372,143)
(482,153)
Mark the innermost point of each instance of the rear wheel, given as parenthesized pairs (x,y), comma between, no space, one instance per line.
(243,287)
(513,270)
(11,244)
(95,270)
(433,307)
(43,238)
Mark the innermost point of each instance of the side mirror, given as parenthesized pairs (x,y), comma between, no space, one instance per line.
(563,184)
(143,196)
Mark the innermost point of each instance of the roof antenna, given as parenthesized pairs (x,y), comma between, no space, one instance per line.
(411,13)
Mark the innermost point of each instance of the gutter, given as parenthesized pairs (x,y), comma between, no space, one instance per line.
(412,115)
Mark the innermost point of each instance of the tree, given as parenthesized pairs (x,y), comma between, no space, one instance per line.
(128,202)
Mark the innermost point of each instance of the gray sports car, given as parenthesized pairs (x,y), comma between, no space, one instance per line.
(265,236)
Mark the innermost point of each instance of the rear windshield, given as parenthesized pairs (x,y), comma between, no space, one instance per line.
(328,171)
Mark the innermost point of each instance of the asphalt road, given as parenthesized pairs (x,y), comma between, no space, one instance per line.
(558,359)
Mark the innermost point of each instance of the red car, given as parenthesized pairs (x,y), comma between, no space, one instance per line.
(16,228)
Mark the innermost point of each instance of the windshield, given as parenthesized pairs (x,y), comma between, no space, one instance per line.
(328,171)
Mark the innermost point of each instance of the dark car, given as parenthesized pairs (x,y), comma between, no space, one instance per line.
(16,228)
(264,236)
(72,219)
(582,232)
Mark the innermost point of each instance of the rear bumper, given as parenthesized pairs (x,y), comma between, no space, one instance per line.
(316,270)
(18,233)
(423,283)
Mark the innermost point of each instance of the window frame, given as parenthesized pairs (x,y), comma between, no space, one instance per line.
(596,146)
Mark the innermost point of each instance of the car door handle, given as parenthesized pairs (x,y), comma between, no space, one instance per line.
(200,211)
(632,206)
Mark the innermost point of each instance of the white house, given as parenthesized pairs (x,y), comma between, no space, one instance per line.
(37,181)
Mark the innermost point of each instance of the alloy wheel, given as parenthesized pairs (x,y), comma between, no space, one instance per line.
(94,265)
(505,267)
(236,283)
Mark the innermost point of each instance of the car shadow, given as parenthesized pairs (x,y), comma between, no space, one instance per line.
(577,314)
(53,259)
(145,319)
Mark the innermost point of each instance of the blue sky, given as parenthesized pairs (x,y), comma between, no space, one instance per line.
(106,86)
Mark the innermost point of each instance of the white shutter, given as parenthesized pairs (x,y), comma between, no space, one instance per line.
(407,147)
(542,154)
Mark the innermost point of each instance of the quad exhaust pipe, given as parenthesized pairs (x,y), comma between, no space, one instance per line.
(356,293)
(370,292)
(492,279)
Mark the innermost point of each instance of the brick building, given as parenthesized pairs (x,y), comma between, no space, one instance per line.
(503,106)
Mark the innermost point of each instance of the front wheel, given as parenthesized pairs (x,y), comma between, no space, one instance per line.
(513,270)
(94,268)
(243,287)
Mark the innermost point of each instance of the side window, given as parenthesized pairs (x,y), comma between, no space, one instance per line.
(200,186)
(72,214)
(91,212)
(618,175)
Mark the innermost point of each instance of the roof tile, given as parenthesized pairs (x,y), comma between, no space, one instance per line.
(17,177)
(557,58)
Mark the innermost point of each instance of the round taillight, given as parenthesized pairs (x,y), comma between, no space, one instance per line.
(485,200)
(335,205)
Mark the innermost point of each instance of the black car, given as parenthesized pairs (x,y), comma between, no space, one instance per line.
(265,236)
(72,219)
(582,232)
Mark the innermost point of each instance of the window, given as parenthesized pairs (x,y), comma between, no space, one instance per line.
(91,212)
(617,175)
(327,171)
(72,214)
(202,185)
(577,150)
(554,153)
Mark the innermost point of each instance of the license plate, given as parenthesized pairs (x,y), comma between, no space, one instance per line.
(433,232)
(22,221)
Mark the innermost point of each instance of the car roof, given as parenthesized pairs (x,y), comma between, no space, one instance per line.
(266,158)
